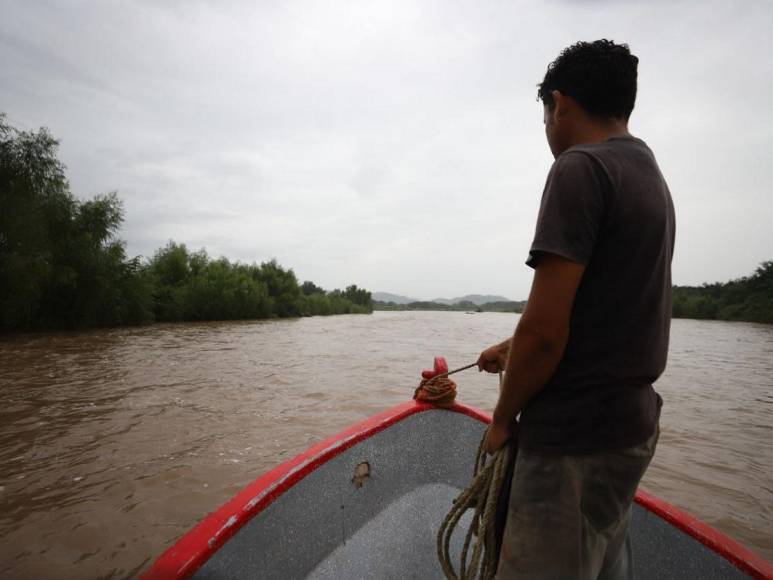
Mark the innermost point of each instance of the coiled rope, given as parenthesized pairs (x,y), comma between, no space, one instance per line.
(483,495)
(438,391)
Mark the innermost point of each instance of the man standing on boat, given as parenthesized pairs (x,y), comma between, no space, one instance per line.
(594,335)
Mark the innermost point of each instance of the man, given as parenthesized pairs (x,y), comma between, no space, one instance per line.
(594,335)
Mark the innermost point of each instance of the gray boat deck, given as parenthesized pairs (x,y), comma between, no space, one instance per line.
(326,527)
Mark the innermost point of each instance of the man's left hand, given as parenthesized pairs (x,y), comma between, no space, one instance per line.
(496,437)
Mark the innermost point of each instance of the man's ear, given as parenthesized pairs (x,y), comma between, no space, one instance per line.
(560,105)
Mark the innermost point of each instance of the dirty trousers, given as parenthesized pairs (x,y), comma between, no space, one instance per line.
(569,515)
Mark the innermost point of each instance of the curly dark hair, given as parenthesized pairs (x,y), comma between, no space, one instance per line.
(599,75)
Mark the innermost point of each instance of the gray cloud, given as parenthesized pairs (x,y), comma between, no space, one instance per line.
(395,145)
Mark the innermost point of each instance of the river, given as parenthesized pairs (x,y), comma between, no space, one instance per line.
(115,442)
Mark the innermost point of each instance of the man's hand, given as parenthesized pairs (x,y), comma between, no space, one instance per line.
(496,436)
(494,358)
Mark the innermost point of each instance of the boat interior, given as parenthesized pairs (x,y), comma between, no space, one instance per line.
(373,511)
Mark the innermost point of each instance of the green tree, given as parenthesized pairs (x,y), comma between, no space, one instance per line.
(282,288)
(225,291)
(60,264)
(749,298)
(358,296)
(308,288)
(170,269)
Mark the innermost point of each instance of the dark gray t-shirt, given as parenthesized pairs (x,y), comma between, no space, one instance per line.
(606,206)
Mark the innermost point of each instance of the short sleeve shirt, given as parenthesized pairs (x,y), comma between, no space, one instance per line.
(606,206)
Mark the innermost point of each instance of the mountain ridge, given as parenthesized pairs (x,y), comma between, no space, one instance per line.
(478,299)
(389,297)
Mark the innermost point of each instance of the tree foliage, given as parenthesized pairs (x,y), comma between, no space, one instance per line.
(749,299)
(191,286)
(61,265)
(308,288)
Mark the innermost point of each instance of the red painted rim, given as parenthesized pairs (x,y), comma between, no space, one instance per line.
(193,549)
(738,554)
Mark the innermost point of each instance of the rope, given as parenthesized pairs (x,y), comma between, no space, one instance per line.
(482,495)
(445,374)
(438,391)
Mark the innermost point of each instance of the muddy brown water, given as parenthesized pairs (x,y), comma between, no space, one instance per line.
(113,443)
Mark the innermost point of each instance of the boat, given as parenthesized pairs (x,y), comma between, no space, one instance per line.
(368,502)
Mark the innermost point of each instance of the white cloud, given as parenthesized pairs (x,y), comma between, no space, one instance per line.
(398,146)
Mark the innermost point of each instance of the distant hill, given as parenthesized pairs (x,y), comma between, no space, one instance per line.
(388,297)
(463,306)
(477,299)
(474,298)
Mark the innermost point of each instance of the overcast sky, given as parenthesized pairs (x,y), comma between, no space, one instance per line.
(395,145)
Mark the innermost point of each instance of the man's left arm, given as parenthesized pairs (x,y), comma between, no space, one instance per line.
(539,340)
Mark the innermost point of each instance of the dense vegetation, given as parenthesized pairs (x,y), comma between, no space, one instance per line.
(749,299)
(464,305)
(62,266)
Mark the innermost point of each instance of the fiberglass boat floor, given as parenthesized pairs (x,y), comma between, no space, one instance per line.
(326,527)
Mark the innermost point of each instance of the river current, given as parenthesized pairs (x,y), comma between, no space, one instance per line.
(113,443)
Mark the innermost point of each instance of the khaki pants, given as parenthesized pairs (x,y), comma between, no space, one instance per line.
(569,515)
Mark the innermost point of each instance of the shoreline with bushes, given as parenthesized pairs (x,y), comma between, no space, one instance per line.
(747,299)
(63,267)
